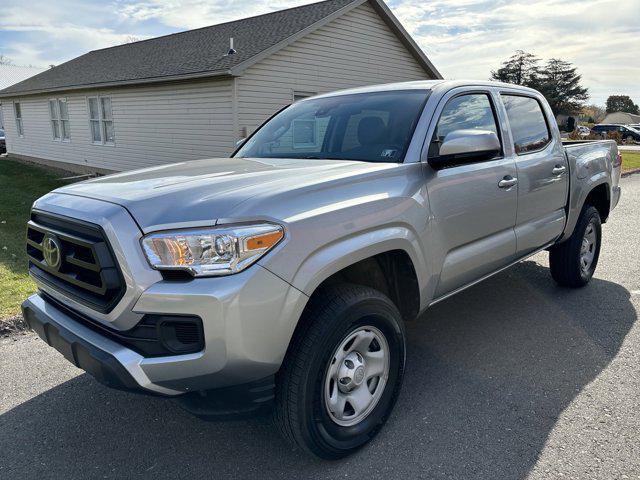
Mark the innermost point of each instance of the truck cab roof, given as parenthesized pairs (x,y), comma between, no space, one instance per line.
(443,85)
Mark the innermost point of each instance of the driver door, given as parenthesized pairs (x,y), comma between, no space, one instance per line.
(473,209)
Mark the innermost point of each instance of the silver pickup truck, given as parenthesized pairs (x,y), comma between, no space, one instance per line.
(280,279)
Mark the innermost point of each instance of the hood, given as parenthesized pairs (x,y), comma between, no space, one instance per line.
(201,191)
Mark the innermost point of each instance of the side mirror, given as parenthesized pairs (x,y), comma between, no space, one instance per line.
(466,146)
(240,142)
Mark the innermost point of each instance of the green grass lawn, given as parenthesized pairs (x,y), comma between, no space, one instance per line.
(20,185)
(630,160)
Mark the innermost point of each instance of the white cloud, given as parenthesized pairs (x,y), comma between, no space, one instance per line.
(188,14)
(40,32)
(467,39)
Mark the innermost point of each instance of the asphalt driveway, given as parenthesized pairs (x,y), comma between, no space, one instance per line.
(514,378)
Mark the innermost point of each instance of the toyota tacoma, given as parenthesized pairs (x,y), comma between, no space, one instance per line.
(281,278)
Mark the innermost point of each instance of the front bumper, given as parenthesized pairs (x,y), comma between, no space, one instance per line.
(100,357)
(103,359)
(248,320)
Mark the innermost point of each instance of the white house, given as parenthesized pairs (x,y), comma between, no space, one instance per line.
(11,74)
(188,95)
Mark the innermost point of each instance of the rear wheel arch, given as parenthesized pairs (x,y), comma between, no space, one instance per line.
(598,195)
(600,198)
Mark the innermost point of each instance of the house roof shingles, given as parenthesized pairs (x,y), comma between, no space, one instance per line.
(180,54)
(11,74)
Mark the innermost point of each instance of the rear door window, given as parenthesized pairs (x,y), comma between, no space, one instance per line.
(528,124)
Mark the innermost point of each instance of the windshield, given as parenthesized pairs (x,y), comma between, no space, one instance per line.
(1,133)
(370,127)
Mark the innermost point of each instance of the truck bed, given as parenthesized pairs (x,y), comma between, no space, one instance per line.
(591,162)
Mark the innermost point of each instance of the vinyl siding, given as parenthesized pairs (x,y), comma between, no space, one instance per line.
(153,125)
(356,49)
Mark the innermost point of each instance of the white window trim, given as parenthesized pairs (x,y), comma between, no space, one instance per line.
(19,129)
(298,93)
(101,119)
(58,118)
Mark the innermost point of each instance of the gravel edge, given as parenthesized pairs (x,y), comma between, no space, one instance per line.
(14,325)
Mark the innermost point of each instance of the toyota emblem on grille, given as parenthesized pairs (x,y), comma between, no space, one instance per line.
(51,251)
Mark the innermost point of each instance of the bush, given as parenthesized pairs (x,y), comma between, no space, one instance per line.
(575,135)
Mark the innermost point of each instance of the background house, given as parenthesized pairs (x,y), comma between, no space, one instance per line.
(11,74)
(186,96)
(623,118)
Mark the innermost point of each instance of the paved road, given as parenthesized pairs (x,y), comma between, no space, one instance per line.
(514,378)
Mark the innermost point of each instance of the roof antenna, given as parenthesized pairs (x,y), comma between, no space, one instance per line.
(232,51)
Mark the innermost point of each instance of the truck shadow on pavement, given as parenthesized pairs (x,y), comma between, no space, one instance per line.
(489,372)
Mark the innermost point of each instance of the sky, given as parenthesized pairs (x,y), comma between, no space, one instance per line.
(465,39)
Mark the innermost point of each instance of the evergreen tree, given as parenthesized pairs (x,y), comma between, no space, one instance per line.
(560,84)
(557,80)
(521,69)
(621,103)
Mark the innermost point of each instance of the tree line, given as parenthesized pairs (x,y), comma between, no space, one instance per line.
(560,83)
(558,80)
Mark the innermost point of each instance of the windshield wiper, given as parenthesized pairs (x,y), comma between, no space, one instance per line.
(315,157)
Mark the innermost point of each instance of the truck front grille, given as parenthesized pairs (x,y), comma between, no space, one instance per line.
(74,258)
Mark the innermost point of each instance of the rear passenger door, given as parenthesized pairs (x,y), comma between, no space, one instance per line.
(473,214)
(542,169)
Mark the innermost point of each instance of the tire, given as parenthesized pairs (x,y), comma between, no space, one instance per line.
(629,140)
(566,260)
(305,385)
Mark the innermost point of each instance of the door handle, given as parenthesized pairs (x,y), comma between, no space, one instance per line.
(507,182)
(558,170)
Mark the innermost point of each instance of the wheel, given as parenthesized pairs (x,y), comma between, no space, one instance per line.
(343,372)
(629,140)
(573,261)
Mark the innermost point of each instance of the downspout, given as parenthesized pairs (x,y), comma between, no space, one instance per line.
(234,111)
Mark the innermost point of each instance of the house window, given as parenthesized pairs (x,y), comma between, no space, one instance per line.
(301,95)
(17,110)
(101,120)
(305,133)
(59,114)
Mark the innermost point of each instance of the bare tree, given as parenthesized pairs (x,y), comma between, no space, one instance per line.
(132,39)
(5,60)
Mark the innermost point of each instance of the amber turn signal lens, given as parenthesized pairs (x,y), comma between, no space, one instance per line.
(264,241)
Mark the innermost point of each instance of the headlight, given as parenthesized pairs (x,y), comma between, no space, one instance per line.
(211,251)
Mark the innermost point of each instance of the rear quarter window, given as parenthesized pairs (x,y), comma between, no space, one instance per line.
(528,124)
